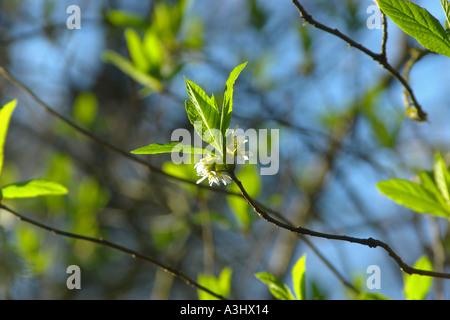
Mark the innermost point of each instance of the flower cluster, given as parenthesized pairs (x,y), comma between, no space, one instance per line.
(208,167)
(212,167)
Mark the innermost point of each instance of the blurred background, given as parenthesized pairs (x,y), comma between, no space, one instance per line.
(342,129)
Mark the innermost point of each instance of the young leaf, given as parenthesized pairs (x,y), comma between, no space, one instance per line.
(85,107)
(121,18)
(220,285)
(31,189)
(298,278)
(278,289)
(203,114)
(128,68)
(156,148)
(446,6)
(427,180)
(227,106)
(135,48)
(418,23)
(153,50)
(413,196)
(441,177)
(417,286)
(5,116)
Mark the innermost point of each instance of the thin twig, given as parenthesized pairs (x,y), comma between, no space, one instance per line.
(114,246)
(379,57)
(369,242)
(416,55)
(103,143)
(384,40)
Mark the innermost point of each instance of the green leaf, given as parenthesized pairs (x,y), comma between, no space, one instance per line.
(418,23)
(427,180)
(278,289)
(128,68)
(371,296)
(447,28)
(85,108)
(413,196)
(220,285)
(5,117)
(417,286)
(153,50)
(298,278)
(156,148)
(441,177)
(135,48)
(203,114)
(122,18)
(446,6)
(32,189)
(227,106)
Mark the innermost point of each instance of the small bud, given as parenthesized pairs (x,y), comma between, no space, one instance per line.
(413,114)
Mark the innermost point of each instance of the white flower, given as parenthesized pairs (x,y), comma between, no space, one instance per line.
(235,145)
(207,168)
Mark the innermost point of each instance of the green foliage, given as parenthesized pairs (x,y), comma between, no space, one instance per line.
(220,285)
(446,6)
(89,198)
(135,47)
(210,123)
(371,296)
(32,189)
(153,48)
(252,184)
(156,148)
(280,290)
(203,114)
(298,278)
(121,18)
(127,67)
(227,107)
(418,23)
(24,189)
(5,117)
(430,196)
(85,108)
(183,171)
(417,286)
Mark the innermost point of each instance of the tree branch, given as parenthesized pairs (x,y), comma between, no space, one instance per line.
(379,57)
(383,52)
(114,246)
(369,242)
(103,143)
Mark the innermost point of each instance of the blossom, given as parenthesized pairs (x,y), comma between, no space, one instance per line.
(235,145)
(209,167)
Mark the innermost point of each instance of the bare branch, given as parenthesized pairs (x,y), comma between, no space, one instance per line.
(114,246)
(369,242)
(379,57)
